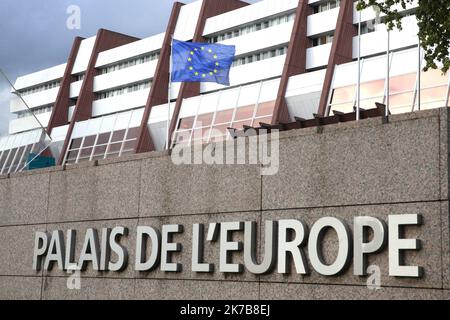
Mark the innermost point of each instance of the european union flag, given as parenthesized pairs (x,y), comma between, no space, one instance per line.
(201,62)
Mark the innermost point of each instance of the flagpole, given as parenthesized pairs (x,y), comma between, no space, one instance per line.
(419,69)
(388,75)
(169,95)
(358,103)
(448,94)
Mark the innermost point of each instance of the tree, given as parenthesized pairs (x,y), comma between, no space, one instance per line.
(433,17)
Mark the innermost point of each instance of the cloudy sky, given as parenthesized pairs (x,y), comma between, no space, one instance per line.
(34,36)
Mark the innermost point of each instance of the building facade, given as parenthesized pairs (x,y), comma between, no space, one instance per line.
(294,59)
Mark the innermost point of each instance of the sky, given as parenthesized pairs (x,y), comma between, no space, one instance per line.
(34,34)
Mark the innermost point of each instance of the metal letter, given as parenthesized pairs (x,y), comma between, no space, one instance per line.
(105,251)
(90,251)
(70,249)
(120,251)
(396,245)
(141,248)
(198,250)
(361,247)
(226,246)
(40,249)
(250,247)
(167,247)
(55,251)
(314,246)
(292,246)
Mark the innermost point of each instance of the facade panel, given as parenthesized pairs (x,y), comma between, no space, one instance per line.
(39,77)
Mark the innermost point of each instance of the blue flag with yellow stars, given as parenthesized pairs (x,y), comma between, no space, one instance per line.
(201,62)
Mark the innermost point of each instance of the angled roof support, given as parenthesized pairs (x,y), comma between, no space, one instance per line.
(210,8)
(105,40)
(159,91)
(295,60)
(341,49)
(60,112)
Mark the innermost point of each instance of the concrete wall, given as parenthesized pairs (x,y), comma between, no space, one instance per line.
(344,170)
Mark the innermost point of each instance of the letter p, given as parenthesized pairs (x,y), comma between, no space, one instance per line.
(40,249)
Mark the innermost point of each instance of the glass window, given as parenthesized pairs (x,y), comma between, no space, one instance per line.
(3,158)
(436,95)
(372,92)
(253,27)
(118,135)
(401,100)
(204,120)
(402,92)
(244,113)
(85,153)
(72,156)
(76,143)
(99,152)
(224,116)
(129,145)
(186,123)
(132,133)
(343,94)
(240,124)
(89,141)
(182,137)
(103,138)
(114,148)
(265,109)
(402,83)
(266,120)
(200,134)
(433,78)
(219,131)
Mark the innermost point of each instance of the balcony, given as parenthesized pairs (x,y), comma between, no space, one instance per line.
(256,71)
(34,100)
(125,76)
(120,103)
(318,56)
(28,123)
(369,13)
(262,39)
(322,22)
(75,88)
(376,42)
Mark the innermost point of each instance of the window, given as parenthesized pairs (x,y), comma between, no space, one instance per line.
(79,77)
(124,90)
(434,88)
(236,108)
(260,56)
(130,63)
(268,23)
(103,145)
(323,40)
(36,111)
(403,91)
(343,99)
(327,6)
(39,88)
(14,160)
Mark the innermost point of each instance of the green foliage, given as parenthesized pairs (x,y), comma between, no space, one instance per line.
(433,17)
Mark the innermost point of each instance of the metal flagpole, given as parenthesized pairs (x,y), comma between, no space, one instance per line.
(169,95)
(419,75)
(448,93)
(358,103)
(388,75)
